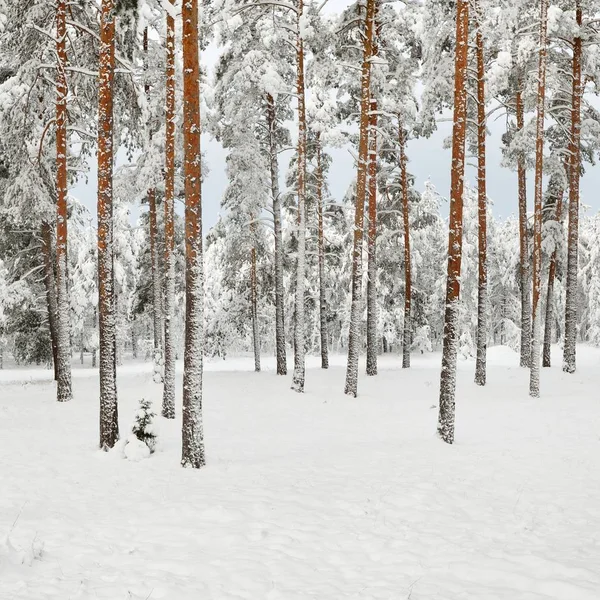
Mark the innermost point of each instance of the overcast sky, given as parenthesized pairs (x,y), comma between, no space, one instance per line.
(428,160)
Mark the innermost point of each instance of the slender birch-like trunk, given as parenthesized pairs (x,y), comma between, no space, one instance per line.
(354,330)
(534,376)
(407,329)
(372,345)
(109,418)
(299,324)
(254,298)
(192,434)
(570,347)
(50,286)
(480,365)
(546,358)
(168,403)
(64,391)
(446,416)
(279,289)
(321,252)
(525,359)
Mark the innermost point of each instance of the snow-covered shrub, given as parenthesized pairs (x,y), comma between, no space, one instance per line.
(143,432)
(422,340)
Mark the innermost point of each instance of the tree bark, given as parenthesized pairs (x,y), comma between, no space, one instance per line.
(372,344)
(321,252)
(525,359)
(570,347)
(50,285)
(109,419)
(446,416)
(279,289)
(351,387)
(407,329)
(168,403)
(299,324)
(192,454)
(480,365)
(546,358)
(534,378)
(64,391)
(254,298)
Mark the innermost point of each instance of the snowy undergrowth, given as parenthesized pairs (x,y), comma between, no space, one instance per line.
(313,496)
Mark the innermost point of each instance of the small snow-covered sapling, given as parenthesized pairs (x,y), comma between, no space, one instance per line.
(143,427)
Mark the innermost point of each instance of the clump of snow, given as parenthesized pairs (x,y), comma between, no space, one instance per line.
(14,555)
(135,449)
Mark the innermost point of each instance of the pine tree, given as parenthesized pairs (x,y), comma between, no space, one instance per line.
(534,380)
(109,422)
(192,454)
(450,341)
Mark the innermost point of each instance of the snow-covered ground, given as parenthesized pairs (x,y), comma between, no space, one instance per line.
(314,496)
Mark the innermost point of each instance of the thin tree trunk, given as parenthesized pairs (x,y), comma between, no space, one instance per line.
(446,414)
(546,358)
(321,251)
(372,245)
(254,298)
(480,364)
(50,285)
(279,289)
(192,454)
(525,359)
(407,330)
(534,379)
(570,347)
(299,324)
(109,419)
(168,403)
(354,330)
(64,391)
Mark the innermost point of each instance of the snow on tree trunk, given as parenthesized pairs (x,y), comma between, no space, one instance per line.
(372,344)
(50,285)
(446,414)
(407,329)
(480,365)
(109,421)
(534,376)
(321,252)
(279,289)
(569,354)
(525,359)
(64,391)
(192,435)
(299,323)
(354,330)
(546,359)
(156,288)
(168,403)
(254,298)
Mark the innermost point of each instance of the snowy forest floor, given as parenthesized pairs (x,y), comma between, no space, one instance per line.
(314,496)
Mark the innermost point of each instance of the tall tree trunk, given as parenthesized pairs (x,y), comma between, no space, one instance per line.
(480,365)
(64,391)
(279,289)
(525,359)
(168,403)
(321,252)
(299,324)
(407,329)
(254,298)
(449,353)
(546,359)
(192,454)
(372,345)
(354,329)
(50,285)
(570,347)
(534,379)
(109,418)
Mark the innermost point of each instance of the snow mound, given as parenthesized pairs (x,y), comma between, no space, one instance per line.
(135,449)
(13,555)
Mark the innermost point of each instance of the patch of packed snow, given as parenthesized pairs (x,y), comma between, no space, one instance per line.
(313,496)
